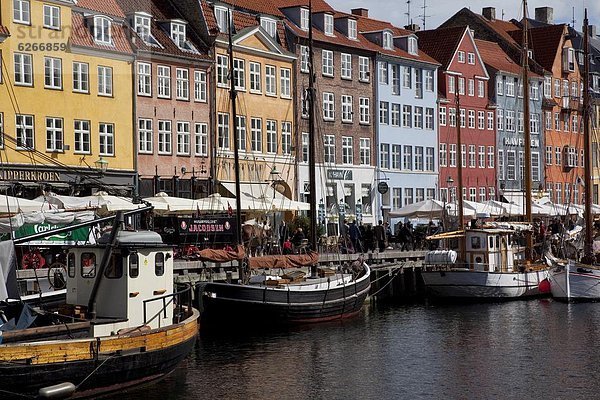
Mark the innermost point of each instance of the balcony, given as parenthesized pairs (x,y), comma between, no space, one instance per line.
(570,104)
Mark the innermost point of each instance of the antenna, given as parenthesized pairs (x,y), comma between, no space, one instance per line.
(573,20)
(424,15)
(503,14)
(407,13)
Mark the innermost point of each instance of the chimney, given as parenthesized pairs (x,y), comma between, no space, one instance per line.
(363,12)
(592,30)
(489,13)
(545,15)
(412,27)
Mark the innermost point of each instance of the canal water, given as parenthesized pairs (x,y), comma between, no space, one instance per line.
(538,349)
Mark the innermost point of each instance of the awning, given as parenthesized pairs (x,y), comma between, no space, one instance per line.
(261,196)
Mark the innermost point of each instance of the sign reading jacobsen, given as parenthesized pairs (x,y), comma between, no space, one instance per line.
(219,229)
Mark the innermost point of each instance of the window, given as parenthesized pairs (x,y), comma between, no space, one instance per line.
(144,79)
(472,156)
(384,112)
(222,70)
(418,158)
(142,27)
(490,120)
(499,85)
(471,58)
(396,156)
(145,135)
(347,150)
(535,166)
(451,84)
(452,154)
(363,69)
(510,120)
(549,155)
(286,138)
(510,87)
(200,90)
(21,11)
(395,115)
(25,132)
(383,72)
(461,57)
(241,131)
(407,158)
(462,118)
(285,82)
(365,151)
(256,134)
(305,143)
(182,81)
(395,79)
(534,121)
(418,83)
(222,16)
(556,121)
(452,116)
(471,87)
(107,139)
(520,122)
(418,118)
(178,34)
(81,77)
(429,80)
(255,78)
(159,264)
(534,91)
(346,108)
(328,107)
(327,59)
(406,116)
(407,77)
(82,136)
(51,17)
(481,120)
(429,159)
(443,155)
(480,88)
(223,130)
(472,119)
(558,156)
(384,155)
(164,137)
(134,265)
(396,198)
(270,82)
(88,265)
(500,164)
(463,155)
(102,27)
(442,116)
(387,41)
(271,136)
(183,138)
(346,66)
(54,134)
(412,46)
(23,69)
(239,74)
(490,157)
(269,25)
(352,30)
(328,24)
(510,165)
(461,86)
(304,58)
(329,148)
(105,81)
(304,19)
(363,106)
(408,196)
(481,157)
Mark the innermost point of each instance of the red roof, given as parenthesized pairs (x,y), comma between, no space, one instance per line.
(317,5)
(4,31)
(106,7)
(258,6)
(441,44)
(82,36)
(545,42)
(491,54)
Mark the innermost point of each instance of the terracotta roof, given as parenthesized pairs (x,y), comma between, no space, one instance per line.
(503,28)
(161,11)
(4,31)
(106,7)
(258,6)
(441,44)
(545,42)
(491,54)
(317,5)
(338,39)
(82,36)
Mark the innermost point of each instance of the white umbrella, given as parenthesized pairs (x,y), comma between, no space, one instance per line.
(468,210)
(165,204)
(12,205)
(216,202)
(109,204)
(64,202)
(427,208)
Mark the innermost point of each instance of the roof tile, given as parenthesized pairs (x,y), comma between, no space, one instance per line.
(106,7)
(491,54)
(82,36)
(440,44)
(4,31)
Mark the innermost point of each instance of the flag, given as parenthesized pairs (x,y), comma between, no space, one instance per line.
(229,209)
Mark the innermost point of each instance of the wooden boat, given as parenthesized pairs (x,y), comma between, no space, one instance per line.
(122,325)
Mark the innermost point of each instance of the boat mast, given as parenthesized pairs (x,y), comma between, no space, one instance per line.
(527,134)
(236,157)
(312,174)
(587,174)
(459,157)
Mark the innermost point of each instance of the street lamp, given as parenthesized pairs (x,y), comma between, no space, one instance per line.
(102,165)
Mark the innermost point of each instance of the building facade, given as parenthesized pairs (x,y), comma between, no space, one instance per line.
(66,109)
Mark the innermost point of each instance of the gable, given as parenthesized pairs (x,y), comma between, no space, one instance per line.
(253,42)
(467,45)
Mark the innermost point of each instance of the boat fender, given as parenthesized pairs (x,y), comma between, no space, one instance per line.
(544,286)
(61,391)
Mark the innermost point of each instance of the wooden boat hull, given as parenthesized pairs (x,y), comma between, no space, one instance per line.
(468,284)
(285,304)
(575,283)
(97,365)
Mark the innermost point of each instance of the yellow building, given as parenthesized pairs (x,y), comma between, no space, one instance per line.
(66,100)
(263,77)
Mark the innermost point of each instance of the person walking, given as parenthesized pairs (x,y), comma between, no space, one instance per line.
(379,235)
(355,237)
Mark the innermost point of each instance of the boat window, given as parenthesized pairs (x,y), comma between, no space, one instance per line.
(88,265)
(71,265)
(491,242)
(114,269)
(159,264)
(134,265)
(475,242)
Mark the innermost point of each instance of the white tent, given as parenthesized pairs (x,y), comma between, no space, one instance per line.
(165,204)
(108,204)
(216,202)
(12,205)
(425,209)
(64,202)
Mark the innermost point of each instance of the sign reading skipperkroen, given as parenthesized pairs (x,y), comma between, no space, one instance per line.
(35,176)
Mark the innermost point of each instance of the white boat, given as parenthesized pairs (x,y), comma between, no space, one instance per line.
(494,268)
(571,281)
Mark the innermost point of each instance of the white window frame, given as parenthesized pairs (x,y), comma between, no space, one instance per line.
(304,18)
(365,151)
(144,71)
(256,134)
(178,34)
(105,81)
(165,137)
(222,71)
(328,106)
(346,66)
(22,12)
(239,74)
(271,131)
(329,149)
(285,83)
(270,80)
(51,17)
(163,81)
(364,110)
(223,133)
(442,116)
(52,73)
(222,17)
(304,59)
(384,112)
(471,58)
(201,139)
(81,77)
(102,30)
(286,138)
(364,70)
(82,136)
(327,61)
(347,112)
(182,84)
(352,29)
(55,137)
(145,134)
(269,25)
(328,24)
(25,132)
(241,129)
(183,138)
(106,136)
(23,69)
(200,87)
(255,77)
(347,150)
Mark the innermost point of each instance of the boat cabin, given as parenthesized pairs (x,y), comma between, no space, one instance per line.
(138,276)
(491,250)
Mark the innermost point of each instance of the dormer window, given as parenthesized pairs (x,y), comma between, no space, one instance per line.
(352,31)
(412,46)
(304,19)
(328,24)
(222,17)
(102,30)
(269,25)
(141,24)
(387,40)
(569,59)
(178,33)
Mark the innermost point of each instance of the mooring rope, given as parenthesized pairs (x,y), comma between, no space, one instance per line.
(387,283)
